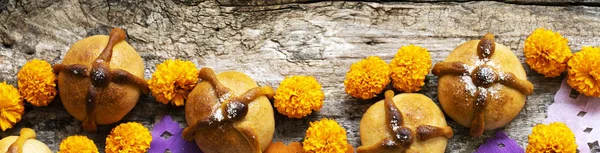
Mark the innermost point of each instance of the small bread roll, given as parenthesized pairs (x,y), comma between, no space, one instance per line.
(229,113)
(27,143)
(406,122)
(100,79)
(482,85)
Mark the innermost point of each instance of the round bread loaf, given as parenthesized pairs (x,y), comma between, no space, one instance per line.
(409,123)
(25,143)
(482,85)
(218,119)
(100,79)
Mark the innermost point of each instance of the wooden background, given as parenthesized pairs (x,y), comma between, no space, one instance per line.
(269,40)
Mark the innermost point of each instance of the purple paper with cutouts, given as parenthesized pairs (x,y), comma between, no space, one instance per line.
(581,113)
(500,143)
(175,143)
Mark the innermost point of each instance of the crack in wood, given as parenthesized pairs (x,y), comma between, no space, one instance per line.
(3,5)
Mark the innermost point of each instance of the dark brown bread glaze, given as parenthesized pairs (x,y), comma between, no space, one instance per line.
(393,116)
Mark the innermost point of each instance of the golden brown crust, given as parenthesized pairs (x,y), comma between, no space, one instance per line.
(222,139)
(402,136)
(252,133)
(17,146)
(24,143)
(491,93)
(383,146)
(419,115)
(118,98)
(293,147)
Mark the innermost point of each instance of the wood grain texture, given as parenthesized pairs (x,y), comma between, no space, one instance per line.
(269,42)
(280,2)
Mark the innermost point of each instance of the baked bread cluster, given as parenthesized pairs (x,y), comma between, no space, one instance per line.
(481,85)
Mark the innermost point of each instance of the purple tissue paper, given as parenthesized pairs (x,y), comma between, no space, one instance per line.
(500,143)
(579,112)
(175,143)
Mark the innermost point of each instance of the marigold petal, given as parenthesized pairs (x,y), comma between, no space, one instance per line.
(325,136)
(11,106)
(547,52)
(78,144)
(367,78)
(298,96)
(554,137)
(128,137)
(36,82)
(584,71)
(409,67)
(171,79)
(178,101)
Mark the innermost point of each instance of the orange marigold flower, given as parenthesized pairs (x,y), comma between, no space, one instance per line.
(367,78)
(128,137)
(279,147)
(325,136)
(584,71)
(409,67)
(11,106)
(36,82)
(173,80)
(78,144)
(547,52)
(554,137)
(298,96)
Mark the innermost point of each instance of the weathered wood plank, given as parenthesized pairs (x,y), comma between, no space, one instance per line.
(280,2)
(270,42)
